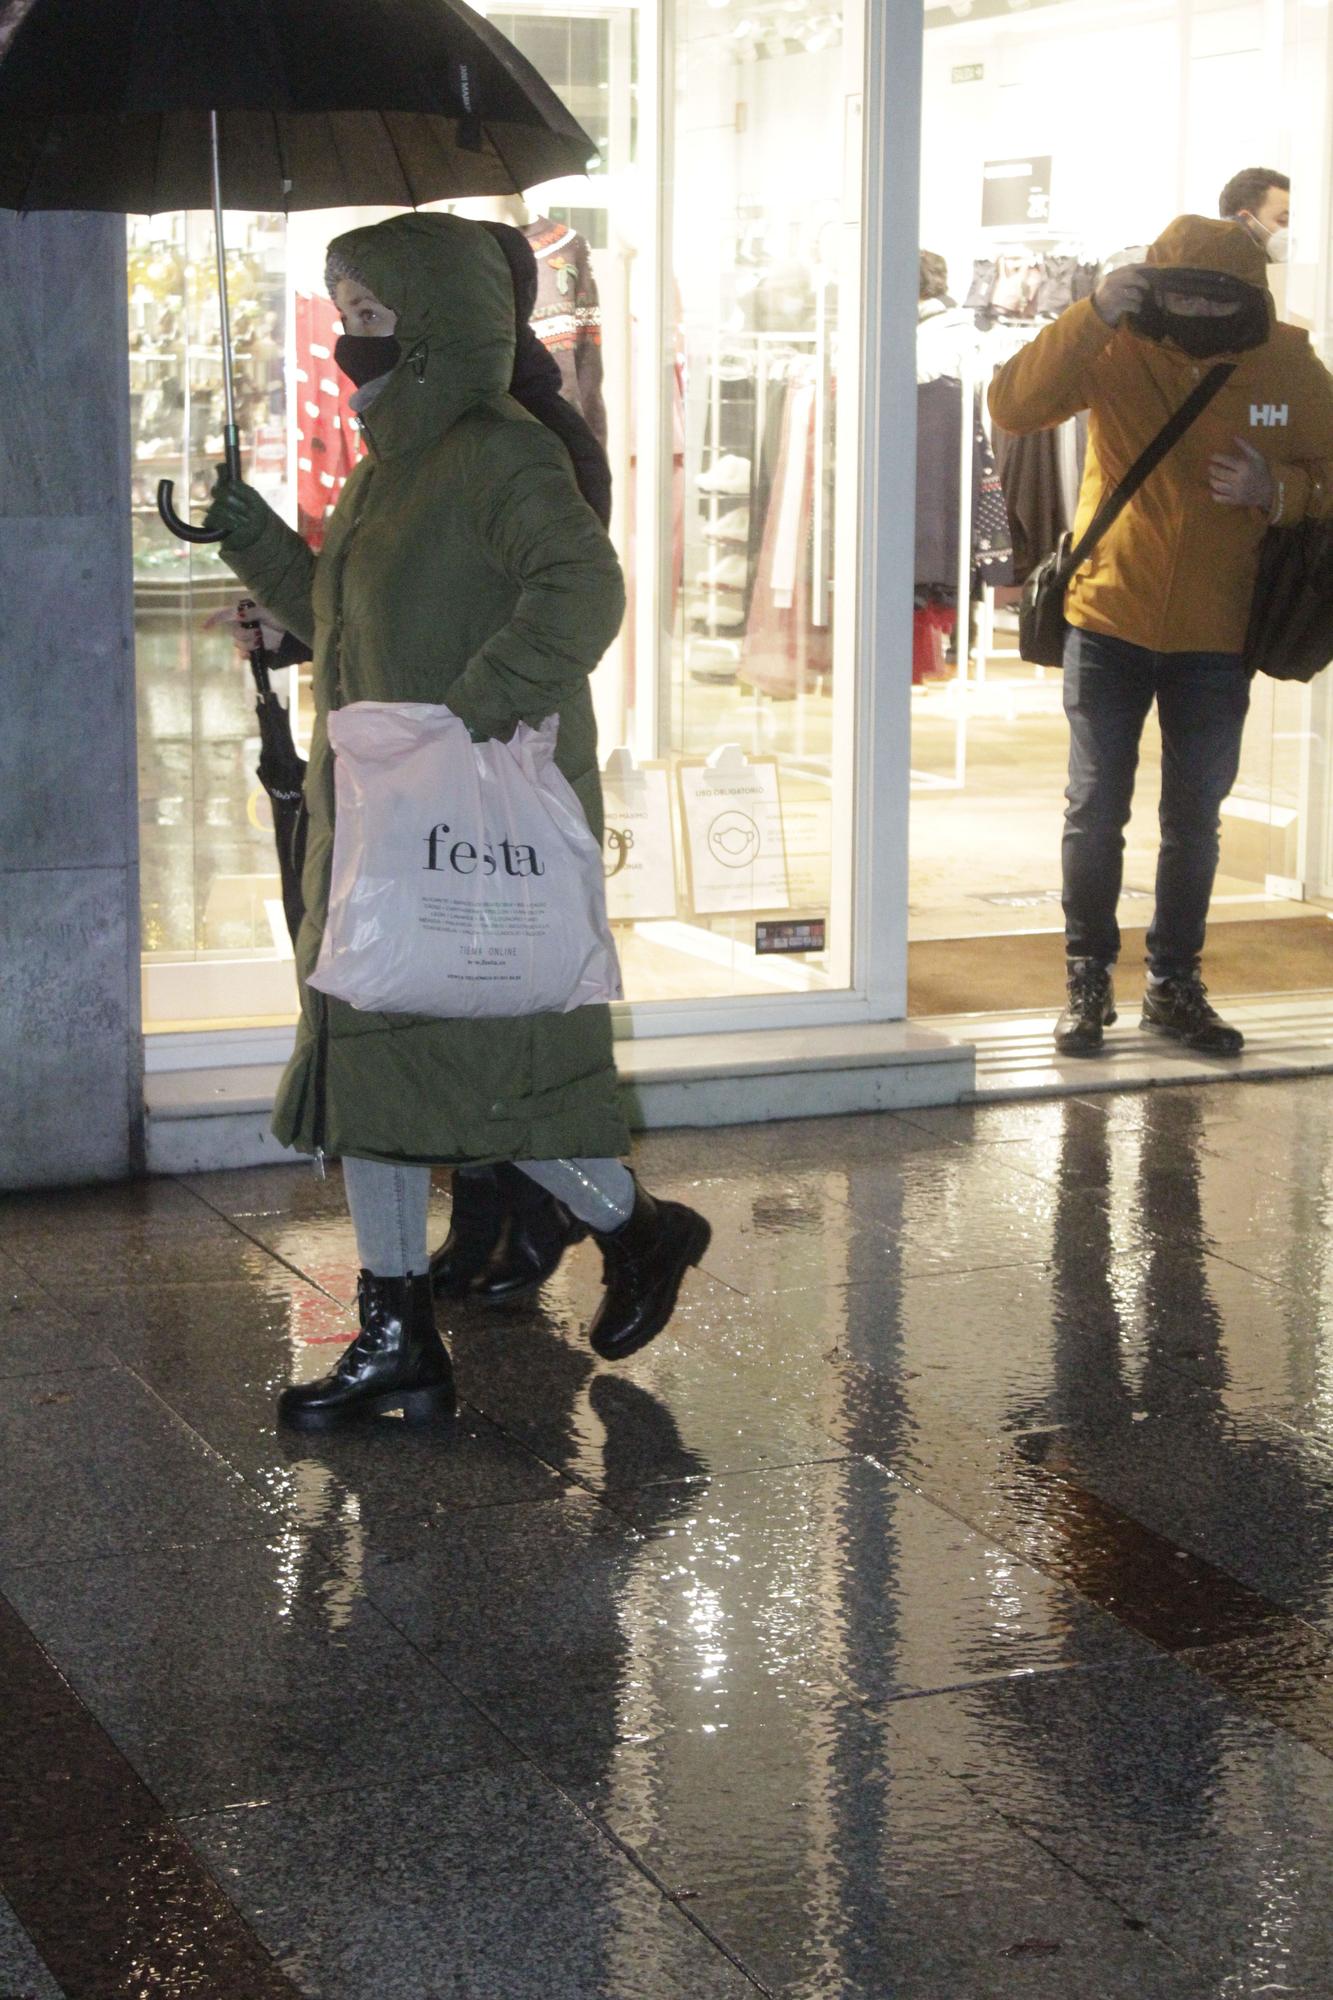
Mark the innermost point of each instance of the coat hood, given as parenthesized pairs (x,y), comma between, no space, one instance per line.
(1197,243)
(522,266)
(449,282)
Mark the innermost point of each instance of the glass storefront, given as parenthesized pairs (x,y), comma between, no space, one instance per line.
(1025,189)
(699,287)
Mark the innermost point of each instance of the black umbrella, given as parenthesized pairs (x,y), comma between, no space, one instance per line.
(146,105)
(281,771)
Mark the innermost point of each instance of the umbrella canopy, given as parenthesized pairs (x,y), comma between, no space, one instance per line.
(105,104)
(144,105)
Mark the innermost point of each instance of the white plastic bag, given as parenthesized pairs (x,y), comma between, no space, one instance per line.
(466,882)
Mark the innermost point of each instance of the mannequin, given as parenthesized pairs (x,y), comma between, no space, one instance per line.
(567,317)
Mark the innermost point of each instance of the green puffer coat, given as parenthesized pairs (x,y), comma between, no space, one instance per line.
(461,566)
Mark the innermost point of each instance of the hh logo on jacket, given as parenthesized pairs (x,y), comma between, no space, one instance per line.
(1270,414)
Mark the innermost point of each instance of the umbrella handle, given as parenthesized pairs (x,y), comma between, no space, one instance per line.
(183,530)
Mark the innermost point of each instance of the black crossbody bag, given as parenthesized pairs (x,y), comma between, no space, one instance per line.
(1041,614)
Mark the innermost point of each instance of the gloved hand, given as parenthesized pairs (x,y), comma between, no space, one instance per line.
(237,509)
(1242,478)
(1121,293)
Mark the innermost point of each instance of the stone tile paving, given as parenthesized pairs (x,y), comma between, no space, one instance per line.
(942,1607)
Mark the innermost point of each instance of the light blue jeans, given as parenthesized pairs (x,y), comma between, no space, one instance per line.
(389,1204)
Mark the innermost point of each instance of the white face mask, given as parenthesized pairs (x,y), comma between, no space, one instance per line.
(1275,243)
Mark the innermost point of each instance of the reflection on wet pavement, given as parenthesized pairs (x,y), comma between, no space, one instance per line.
(942,1608)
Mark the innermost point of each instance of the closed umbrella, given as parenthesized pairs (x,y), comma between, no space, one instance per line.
(147,105)
(281,771)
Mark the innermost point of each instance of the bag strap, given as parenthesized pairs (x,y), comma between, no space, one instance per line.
(1147,462)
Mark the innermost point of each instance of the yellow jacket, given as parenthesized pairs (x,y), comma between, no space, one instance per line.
(1176,572)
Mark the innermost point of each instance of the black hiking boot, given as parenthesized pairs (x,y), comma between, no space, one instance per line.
(1089,1009)
(1181,1009)
(643,1264)
(507,1236)
(396,1362)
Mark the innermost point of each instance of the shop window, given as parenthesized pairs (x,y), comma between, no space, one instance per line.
(727,398)
(1020,209)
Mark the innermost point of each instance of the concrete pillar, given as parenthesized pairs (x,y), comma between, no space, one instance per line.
(71,1091)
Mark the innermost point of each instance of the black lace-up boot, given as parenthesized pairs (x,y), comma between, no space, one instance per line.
(1181,1009)
(1089,1009)
(396,1362)
(644,1263)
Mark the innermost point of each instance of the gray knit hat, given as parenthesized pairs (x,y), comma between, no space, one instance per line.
(336,267)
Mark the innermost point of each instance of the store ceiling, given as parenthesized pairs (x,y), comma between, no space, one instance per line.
(963,13)
(758,28)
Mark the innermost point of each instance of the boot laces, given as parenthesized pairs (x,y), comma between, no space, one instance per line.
(1088,987)
(1190,999)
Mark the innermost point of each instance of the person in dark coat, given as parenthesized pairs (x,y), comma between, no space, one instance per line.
(461,565)
(507,1233)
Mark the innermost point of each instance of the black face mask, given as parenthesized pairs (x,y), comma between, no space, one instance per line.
(1205,337)
(363,357)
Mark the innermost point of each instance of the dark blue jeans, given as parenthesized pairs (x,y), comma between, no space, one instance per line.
(1202,699)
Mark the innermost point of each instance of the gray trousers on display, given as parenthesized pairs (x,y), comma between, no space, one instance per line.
(389,1205)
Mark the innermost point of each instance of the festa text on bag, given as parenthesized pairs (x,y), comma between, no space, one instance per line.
(466,882)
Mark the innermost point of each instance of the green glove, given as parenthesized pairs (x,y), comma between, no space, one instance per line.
(238,510)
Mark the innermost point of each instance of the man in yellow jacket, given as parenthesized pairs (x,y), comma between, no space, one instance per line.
(1159,610)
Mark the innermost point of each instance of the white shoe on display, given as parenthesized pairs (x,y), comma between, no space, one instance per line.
(722,614)
(730,527)
(713,660)
(730,475)
(727,573)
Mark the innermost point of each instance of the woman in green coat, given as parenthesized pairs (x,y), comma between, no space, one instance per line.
(460,566)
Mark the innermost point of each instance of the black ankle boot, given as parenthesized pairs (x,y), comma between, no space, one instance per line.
(643,1263)
(1181,1009)
(396,1362)
(507,1237)
(1089,1009)
(537,1232)
(476,1225)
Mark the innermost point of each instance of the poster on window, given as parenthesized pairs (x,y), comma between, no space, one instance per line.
(733,837)
(637,848)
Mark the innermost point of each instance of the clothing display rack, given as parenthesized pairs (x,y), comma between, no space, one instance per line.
(753,463)
(1054,270)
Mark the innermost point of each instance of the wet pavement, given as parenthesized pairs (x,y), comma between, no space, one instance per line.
(941,1609)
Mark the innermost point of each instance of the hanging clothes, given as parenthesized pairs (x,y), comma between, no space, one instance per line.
(1034,473)
(938,501)
(567,317)
(328,440)
(786,652)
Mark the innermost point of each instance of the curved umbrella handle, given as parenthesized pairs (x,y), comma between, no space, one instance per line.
(183,530)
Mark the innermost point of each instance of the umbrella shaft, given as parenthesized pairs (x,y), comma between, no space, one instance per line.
(228,389)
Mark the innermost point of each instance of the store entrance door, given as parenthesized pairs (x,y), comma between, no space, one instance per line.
(1020,210)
